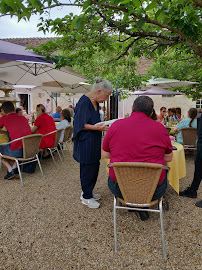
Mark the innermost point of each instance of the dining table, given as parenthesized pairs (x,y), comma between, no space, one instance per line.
(177,166)
(3,136)
(172,129)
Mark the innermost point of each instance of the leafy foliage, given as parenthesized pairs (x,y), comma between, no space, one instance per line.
(181,66)
(109,35)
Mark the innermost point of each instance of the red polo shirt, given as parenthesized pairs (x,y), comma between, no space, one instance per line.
(137,138)
(17,126)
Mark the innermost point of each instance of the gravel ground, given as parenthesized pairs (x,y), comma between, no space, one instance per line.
(43,225)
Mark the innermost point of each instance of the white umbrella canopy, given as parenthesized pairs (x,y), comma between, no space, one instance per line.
(157,91)
(23,73)
(167,83)
(138,92)
(67,88)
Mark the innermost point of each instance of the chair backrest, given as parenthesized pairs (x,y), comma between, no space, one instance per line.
(168,130)
(137,180)
(57,137)
(189,136)
(31,145)
(70,133)
(66,134)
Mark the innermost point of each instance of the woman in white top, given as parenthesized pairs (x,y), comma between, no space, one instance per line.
(66,122)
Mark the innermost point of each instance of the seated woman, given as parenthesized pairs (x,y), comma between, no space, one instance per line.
(44,124)
(19,111)
(188,122)
(153,116)
(66,122)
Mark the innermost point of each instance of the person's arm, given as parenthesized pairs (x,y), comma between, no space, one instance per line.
(3,131)
(34,129)
(105,154)
(168,157)
(176,129)
(99,127)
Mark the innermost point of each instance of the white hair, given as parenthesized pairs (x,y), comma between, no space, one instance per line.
(103,85)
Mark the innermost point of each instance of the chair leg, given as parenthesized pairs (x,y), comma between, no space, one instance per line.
(59,154)
(40,165)
(166,202)
(53,157)
(61,147)
(162,229)
(115,232)
(0,164)
(67,147)
(19,172)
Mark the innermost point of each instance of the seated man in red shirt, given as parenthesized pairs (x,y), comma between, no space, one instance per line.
(138,138)
(17,126)
(162,114)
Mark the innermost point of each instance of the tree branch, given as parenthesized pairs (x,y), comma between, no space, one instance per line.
(150,21)
(119,26)
(198,2)
(124,53)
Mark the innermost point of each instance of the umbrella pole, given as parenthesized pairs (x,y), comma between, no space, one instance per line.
(116,103)
(56,100)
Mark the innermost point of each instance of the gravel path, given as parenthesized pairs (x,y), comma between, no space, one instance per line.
(43,225)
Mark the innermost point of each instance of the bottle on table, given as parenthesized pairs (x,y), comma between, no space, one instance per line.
(33,119)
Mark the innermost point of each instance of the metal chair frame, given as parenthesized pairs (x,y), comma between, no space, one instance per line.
(56,142)
(24,160)
(138,206)
(67,138)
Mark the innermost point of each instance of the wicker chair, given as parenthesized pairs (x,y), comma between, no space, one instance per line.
(30,149)
(168,130)
(189,136)
(137,182)
(67,138)
(56,142)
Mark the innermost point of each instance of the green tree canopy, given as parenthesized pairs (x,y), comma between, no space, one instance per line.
(178,65)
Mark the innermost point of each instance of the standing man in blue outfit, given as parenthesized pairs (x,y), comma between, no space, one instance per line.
(87,139)
(191,191)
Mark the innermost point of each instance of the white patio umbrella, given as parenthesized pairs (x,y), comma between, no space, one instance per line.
(38,74)
(80,87)
(138,92)
(167,83)
(157,91)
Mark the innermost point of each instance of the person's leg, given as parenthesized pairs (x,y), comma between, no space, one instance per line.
(114,188)
(5,150)
(18,153)
(88,175)
(161,189)
(197,173)
(7,165)
(191,191)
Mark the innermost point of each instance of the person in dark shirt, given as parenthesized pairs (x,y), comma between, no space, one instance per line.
(191,191)
(87,139)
